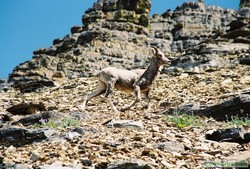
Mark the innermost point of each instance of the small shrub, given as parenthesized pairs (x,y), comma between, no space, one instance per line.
(68,122)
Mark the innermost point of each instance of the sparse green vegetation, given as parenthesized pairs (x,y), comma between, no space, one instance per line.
(184,120)
(238,121)
(62,123)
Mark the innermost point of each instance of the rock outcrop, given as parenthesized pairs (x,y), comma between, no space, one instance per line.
(129,11)
(114,33)
(119,32)
(2,84)
(244,3)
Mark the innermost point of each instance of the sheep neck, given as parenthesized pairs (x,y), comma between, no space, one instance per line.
(149,75)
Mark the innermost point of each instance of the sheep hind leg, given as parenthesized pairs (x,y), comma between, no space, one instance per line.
(137,99)
(99,90)
(110,86)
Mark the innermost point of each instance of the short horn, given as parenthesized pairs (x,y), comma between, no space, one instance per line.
(155,49)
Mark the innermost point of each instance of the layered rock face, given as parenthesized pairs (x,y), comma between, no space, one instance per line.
(131,11)
(244,3)
(189,24)
(113,34)
(119,32)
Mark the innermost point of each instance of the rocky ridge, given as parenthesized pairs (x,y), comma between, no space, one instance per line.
(118,33)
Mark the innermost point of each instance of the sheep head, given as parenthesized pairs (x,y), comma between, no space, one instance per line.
(159,55)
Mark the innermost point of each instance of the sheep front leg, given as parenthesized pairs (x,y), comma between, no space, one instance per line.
(137,98)
(148,99)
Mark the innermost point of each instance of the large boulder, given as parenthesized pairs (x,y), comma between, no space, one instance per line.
(20,136)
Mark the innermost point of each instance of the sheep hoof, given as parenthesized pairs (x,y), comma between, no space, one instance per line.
(124,109)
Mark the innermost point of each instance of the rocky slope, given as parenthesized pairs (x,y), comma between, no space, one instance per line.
(43,125)
(145,138)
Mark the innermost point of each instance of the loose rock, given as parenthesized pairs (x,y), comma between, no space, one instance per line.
(135,164)
(26,108)
(125,124)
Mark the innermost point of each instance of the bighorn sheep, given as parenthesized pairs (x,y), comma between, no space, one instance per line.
(138,80)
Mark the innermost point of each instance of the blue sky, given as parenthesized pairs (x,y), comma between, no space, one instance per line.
(27,25)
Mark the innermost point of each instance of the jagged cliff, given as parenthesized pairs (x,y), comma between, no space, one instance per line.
(119,32)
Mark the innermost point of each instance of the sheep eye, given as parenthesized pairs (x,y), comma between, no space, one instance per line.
(160,56)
